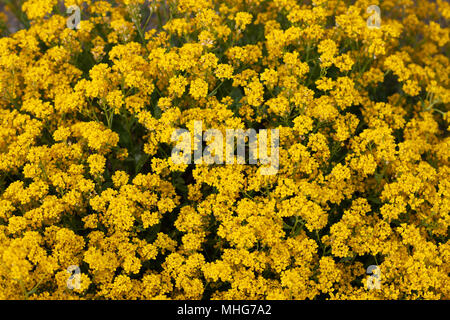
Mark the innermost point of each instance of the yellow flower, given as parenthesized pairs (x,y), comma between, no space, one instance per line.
(198,89)
(242,20)
(96,164)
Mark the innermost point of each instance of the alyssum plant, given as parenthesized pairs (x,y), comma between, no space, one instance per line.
(337,187)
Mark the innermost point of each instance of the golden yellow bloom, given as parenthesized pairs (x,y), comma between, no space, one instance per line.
(88,123)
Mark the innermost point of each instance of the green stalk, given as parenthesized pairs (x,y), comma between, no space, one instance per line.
(17,12)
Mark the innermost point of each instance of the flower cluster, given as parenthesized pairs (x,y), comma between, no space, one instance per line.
(87,180)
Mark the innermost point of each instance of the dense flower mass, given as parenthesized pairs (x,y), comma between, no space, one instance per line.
(87,180)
